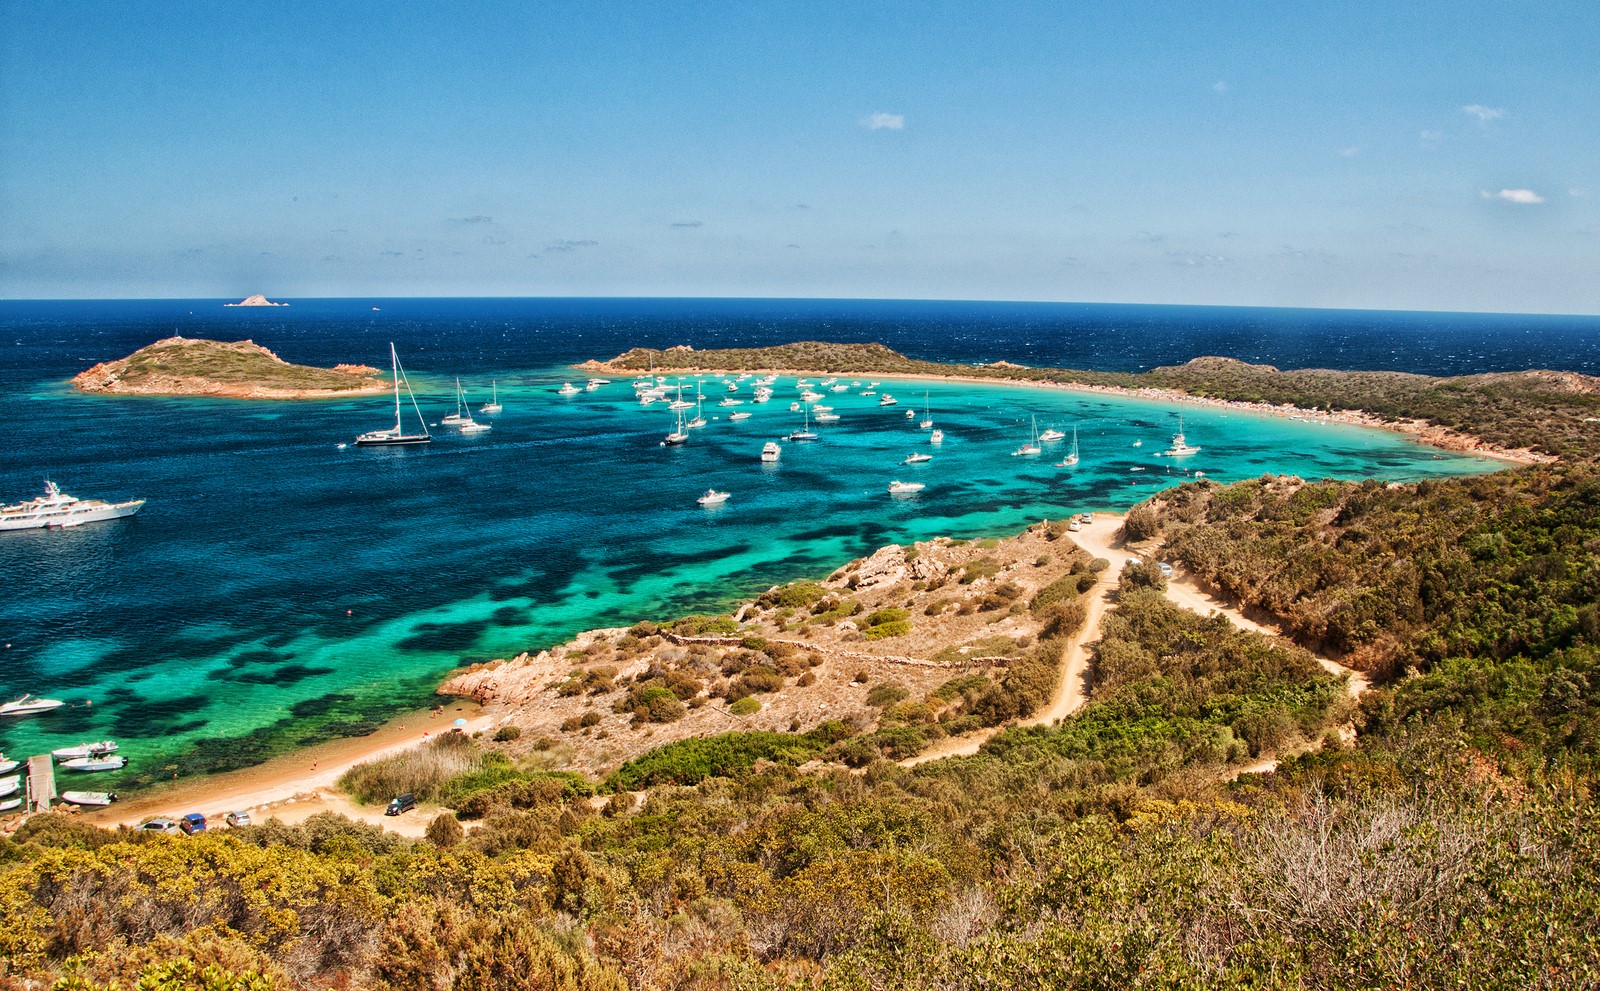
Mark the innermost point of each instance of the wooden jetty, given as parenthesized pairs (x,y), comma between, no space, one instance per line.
(41,783)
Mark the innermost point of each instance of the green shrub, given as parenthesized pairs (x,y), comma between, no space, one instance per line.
(895,628)
(885,693)
(507,733)
(745,706)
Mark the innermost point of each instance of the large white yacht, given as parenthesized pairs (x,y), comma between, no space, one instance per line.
(28,705)
(57,509)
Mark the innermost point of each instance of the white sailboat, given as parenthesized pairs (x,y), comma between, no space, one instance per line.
(1180,446)
(455,418)
(462,420)
(395,435)
(677,436)
(805,434)
(1071,459)
(927,415)
(493,405)
(699,416)
(1032,446)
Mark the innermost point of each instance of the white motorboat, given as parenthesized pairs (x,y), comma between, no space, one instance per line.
(712,498)
(493,405)
(1050,435)
(97,749)
(841,388)
(888,400)
(568,389)
(738,416)
(11,804)
(1180,447)
(827,417)
(730,401)
(104,762)
(733,387)
(29,705)
(870,392)
(937,437)
(916,459)
(1032,447)
(770,452)
(474,427)
(395,435)
(911,414)
(11,785)
(89,797)
(7,765)
(810,396)
(905,488)
(55,509)
(819,408)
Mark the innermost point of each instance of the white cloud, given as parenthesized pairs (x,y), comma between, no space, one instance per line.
(1522,196)
(1350,152)
(880,120)
(1577,193)
(1483,113)
(1219,87)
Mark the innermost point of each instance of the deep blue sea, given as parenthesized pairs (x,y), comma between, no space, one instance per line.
(278,587)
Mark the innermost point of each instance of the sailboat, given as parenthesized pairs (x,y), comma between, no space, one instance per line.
(394,435)
(456,418)
(699,416)
(1180,447)
(805,434)
(493,406)
(1071,459)
(678,436)
(1032,446)
(927,416)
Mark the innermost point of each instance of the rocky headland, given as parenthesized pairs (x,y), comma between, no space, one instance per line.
(180,366)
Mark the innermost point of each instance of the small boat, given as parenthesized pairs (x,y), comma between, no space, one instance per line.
(733,387)
(1138,443)
(89,797)
(474,427)
(395,435)
(1050,435)
(770,452)
(97,749)
(568,389)
(819,408)
(712,498)
(8,765)
(794,407)
(730,401)
(29,705)
(905,488)
(1180,447)
(937,437)
(457,417)
(11,785)
(911,414)
(1071,459)
(678,436)
(738,416)
(841,388)
(810,396)
(869,392)
(916,459)
(1032,447)
(11,804)
(493,405)
(103,762)
(927,415)
(805,434)
(888,400)
(699,418)
(57,510)
(827,417)
(829,381)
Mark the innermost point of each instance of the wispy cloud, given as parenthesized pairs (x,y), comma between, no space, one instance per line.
(1520,196)
(687,223)
(1350,152)
(476,218)
(1220,88)
(570,245)
(881,121)
(1578,193)
(1430,139)
(1483,113)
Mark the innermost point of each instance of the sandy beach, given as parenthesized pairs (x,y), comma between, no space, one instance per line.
(296,785)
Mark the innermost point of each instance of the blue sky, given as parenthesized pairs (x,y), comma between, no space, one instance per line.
(1386,155)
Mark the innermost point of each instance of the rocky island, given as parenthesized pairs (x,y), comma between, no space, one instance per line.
(256,300)
(180,366)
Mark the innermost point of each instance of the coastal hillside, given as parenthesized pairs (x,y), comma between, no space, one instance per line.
(181,366)
(1550,413)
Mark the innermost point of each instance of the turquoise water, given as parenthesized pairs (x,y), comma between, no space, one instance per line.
(278,588)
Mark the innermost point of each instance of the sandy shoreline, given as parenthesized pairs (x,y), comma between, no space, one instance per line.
(293,785)
(1443,438)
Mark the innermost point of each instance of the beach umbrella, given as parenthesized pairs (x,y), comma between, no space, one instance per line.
(461,722)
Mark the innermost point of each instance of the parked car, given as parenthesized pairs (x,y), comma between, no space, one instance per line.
(1075,526)
(160,826)
(237,818)
(1166,569)
(1085,518)
(401,803)
(192,823)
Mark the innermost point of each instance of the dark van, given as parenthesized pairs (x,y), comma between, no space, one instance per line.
(401,803)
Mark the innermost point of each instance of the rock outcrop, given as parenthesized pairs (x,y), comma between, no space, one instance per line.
(180,366)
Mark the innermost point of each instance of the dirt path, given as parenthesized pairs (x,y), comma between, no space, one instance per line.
(1069,696)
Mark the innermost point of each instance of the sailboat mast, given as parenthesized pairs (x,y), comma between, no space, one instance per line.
(394,365)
